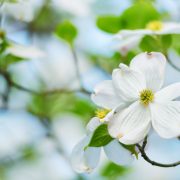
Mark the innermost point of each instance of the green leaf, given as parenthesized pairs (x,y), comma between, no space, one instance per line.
(11,1)
(175,42)
(166,41)
(150,43)
(135,17)
(113,171)
(66,31)
(131,148)
(159,43)
(40,24)
(8,59)
(110,24)
(100,137)
(138,15)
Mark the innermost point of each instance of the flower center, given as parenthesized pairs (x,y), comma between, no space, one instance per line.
(101,114)
(146,97)
(154,25)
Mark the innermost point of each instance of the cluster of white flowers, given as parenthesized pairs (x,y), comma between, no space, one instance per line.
(134,102)
(129,39)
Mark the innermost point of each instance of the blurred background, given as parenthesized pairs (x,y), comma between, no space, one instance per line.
(46,77)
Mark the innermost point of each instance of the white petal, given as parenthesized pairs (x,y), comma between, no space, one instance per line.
(131,125)
(166,118)
(152,65)
(126,44)
(170,28)
(117,154)
(105,96)
(130,33)
(93,124)
(85,160)
(28,52)
(168,93)
(128,83)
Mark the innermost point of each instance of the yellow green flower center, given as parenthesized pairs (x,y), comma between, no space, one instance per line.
(154,25)
(146,97)
(101,114)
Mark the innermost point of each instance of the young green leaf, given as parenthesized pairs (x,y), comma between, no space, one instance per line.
(138,15)
(166,41)
(131,148)
(175,42)
(114,171)
(135,17)
(150,43)
(100,137)
(66,31)
(110,24)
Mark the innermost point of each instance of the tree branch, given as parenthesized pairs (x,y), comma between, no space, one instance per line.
(154,163)
(172,64)
(11,83)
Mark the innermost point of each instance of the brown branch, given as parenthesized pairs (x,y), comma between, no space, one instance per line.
(154,163)
(172,64)
(11,83)
(76,64)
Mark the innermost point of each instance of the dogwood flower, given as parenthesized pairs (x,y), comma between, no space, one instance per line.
(135,96)
(26,52)
(23,10)
(131,38)
(86,159)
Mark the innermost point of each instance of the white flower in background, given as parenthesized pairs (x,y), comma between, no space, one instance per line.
(75,7)
(131,38)
(138,89)
(127,44)
(85,160)
(26,52)
(23,10)
(57,70)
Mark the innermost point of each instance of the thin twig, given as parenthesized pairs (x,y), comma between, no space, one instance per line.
(78,74)
(172,64)
(75,58)
(5,96)
(154,163)
(9,80)
(2,14)
(46,122)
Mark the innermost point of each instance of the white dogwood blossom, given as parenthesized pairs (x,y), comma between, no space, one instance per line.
(23,10)
(26,52)
(135,96)
(86,159)
(129,39)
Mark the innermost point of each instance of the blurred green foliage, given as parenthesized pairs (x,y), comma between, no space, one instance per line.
(135,17)
(176,42)
(6,58)
(66,31)
(156,43)
(52,105)
(46,19)
(112,171)
(108,63)
(110,24)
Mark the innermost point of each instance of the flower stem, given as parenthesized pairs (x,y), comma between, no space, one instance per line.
(170,62)
(78,74)
(154,163)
